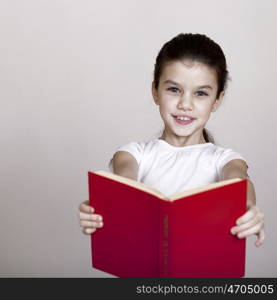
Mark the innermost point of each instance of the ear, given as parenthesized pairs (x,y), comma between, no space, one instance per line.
(217,102)
(155,94)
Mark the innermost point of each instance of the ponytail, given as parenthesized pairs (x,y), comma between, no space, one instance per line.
(207,136)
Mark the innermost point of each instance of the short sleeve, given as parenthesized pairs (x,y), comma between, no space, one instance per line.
(111,165)
(224,156)
(134,148)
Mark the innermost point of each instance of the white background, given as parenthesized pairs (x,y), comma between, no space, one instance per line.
(75,84)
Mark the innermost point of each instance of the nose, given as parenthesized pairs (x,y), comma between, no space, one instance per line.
(185,102)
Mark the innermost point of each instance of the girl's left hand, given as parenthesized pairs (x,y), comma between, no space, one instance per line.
(252,222)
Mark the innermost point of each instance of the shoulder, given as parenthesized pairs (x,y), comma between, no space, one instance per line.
(140,147)
(228,159)
(222,153)
(131,152)
(134,148)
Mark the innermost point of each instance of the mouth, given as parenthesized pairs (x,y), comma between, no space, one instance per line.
(183,120)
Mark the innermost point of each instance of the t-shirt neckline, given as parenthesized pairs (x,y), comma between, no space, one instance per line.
(175,148)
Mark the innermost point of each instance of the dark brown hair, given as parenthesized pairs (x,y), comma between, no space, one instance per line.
(196,47)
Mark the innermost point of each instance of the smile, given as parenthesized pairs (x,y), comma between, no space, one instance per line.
(183,120)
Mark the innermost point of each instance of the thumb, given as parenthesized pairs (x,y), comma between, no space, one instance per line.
(261,238)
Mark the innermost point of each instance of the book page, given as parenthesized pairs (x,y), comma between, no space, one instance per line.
(158,194)
(131,182)
(210,186)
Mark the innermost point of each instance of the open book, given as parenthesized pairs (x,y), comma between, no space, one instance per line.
(147,234)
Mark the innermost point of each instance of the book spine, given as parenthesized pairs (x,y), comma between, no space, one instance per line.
(164,239)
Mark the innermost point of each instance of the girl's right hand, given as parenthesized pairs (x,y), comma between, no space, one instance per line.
(89,221)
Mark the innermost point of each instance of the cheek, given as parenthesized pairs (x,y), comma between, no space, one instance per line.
(204,108)
(167,103)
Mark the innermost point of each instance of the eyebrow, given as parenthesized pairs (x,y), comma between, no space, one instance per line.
(198,87)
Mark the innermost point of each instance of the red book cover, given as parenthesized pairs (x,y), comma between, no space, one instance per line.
(149,235)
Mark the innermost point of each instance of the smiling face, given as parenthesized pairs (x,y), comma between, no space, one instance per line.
(186,89)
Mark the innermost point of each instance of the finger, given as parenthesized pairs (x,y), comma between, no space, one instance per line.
(259,217)
(242,227)
(91,224)
(90,217)
(84,207)
(88,230)
(252,230)
(247,216)
(261,238)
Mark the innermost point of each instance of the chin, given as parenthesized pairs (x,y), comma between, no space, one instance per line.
(182,132)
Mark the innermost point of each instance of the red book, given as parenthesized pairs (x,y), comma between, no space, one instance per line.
(147,234)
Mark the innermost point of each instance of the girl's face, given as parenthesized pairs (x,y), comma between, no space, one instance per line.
(187,89)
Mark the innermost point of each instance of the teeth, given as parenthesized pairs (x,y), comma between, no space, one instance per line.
(183,118)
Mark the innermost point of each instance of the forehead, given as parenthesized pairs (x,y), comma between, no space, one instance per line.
(189,72)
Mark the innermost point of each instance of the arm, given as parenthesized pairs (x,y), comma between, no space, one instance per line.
(124,164)
(252,222)
(237,168)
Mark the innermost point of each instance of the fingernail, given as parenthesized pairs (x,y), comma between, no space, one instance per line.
(233,231)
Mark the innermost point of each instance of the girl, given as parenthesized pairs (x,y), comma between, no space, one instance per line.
(190,78)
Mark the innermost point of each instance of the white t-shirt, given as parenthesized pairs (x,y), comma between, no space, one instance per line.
(170,169)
